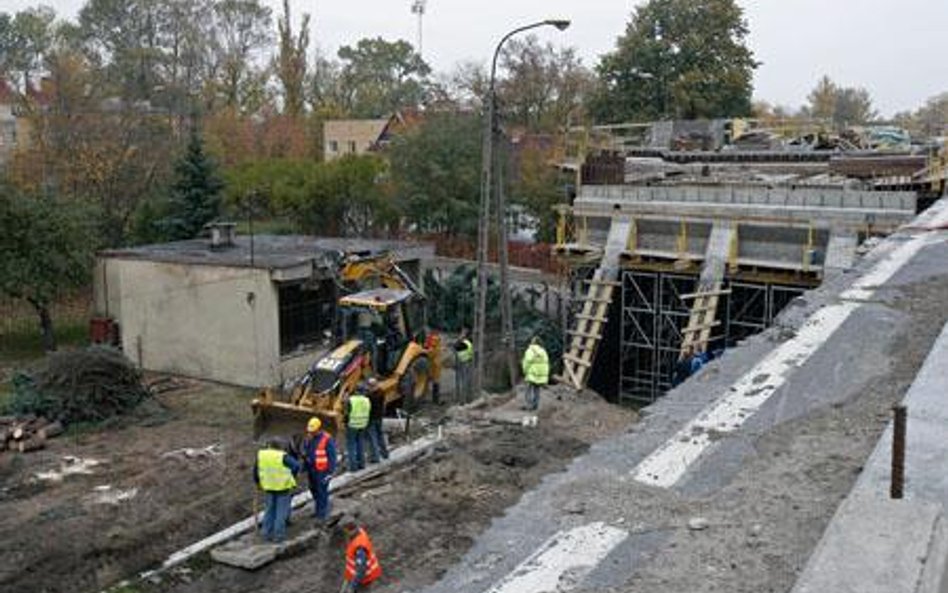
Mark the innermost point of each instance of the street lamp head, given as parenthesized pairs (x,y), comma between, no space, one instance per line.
(561,24)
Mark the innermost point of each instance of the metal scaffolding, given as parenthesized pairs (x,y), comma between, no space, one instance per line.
(654,314)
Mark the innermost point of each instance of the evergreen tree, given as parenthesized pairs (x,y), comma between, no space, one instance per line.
(195,193)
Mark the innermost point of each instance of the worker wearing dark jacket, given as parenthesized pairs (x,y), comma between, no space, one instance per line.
(377,447)
(358,410)
(362,565)
(319,453)
(274,472)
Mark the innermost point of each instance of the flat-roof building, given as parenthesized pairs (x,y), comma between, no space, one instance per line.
(244,311)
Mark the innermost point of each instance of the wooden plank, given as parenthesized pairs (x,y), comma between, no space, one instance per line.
(602,282)
(578,333)
(51,430)
(695,295)
(600,300)
(592,318)
(32,443)
(576,360)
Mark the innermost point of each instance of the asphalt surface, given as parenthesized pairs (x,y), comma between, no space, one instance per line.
(746,514)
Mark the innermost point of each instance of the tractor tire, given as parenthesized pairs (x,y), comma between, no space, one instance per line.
(413,386)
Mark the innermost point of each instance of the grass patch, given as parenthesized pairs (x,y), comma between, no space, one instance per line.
(25,345)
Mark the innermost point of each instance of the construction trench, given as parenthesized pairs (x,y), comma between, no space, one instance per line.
(726,482)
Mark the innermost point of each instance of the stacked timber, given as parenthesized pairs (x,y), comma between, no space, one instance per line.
(27,433)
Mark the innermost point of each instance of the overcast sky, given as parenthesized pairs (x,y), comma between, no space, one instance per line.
(895,48)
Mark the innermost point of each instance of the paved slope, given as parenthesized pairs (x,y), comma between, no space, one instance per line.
(759,489)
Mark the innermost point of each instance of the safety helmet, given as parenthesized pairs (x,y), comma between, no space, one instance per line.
(314,424)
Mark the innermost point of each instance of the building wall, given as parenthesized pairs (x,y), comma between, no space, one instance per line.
(218,323)
(350,136)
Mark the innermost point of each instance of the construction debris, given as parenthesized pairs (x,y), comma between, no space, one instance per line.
(106,494)
(70,466)
(27,433)
(86,385)
(185,453)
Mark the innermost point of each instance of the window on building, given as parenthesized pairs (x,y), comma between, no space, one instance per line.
(333,146)
(352,146)
(306,315)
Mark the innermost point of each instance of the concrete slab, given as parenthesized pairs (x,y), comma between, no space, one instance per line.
(873,546)
(250,552)
(249,556)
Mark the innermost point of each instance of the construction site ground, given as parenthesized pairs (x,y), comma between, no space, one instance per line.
(100,506)
(745,513)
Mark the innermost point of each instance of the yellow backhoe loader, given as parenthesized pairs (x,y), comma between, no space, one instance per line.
(379,332)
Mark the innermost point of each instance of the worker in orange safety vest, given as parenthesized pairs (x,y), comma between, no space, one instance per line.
(319,454)
(362,565)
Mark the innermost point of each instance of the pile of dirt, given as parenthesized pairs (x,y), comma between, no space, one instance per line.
(88,385)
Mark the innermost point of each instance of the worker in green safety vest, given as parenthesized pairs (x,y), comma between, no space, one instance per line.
(274,472)
(536,372)
(464,361)
(357,414)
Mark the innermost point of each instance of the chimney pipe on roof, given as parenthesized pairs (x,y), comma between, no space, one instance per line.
(223,234)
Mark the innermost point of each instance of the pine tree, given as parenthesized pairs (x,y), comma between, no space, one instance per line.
(195,193)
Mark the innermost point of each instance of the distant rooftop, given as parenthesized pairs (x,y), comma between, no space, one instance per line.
(270,251)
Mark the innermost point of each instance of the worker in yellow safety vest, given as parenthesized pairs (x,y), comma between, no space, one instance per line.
(357,414)
(464,357)
(536,372)
(274,473)
(362,565)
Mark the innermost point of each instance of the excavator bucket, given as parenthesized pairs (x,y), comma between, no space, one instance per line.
(288,420)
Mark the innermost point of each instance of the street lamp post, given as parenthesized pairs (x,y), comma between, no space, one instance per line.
(483,225)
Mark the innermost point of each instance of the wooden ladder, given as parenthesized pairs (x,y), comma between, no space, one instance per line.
(586,333)
(590,322)
(696,335)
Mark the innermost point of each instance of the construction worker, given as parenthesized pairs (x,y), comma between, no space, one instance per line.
(536,371)
(274,472)
(464,357)
(683,366)
(319,453)
(358,410)
(699,359)
(377,446)
(362,565)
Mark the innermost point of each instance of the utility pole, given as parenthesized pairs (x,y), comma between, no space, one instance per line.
(503,258)
(488,184)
